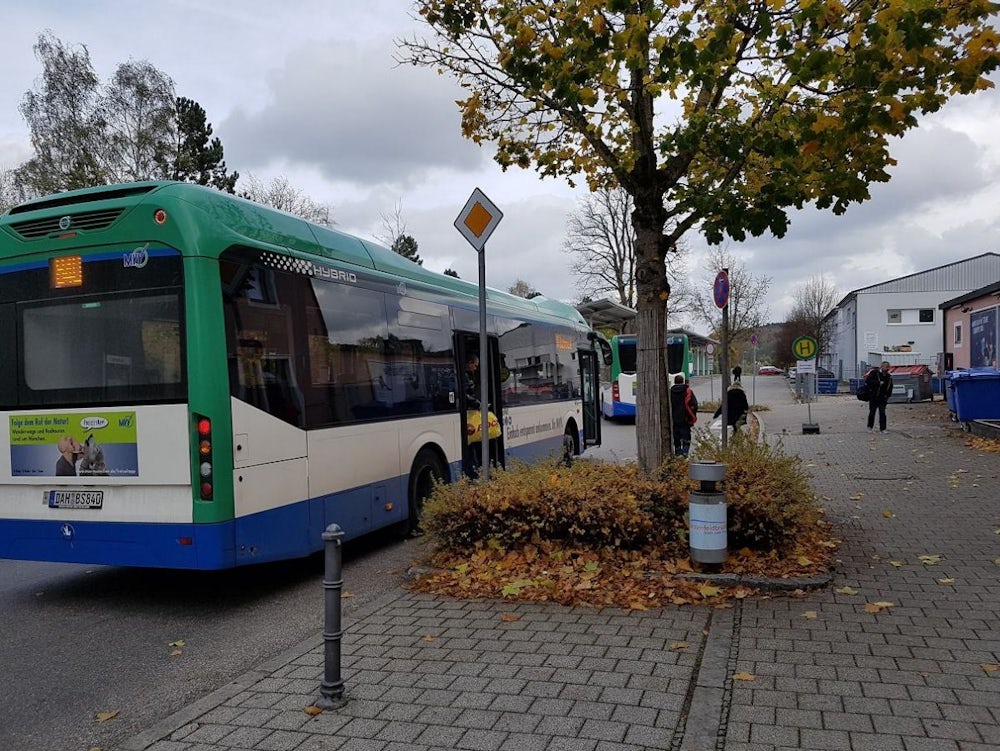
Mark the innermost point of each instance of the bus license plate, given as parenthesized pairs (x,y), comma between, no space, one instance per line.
(76,498)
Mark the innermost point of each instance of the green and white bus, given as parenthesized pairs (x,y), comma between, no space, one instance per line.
(195,381)
(618,387)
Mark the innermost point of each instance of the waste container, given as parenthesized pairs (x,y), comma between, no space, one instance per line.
(854,384)
(976,394)
(826,385)
(910,383)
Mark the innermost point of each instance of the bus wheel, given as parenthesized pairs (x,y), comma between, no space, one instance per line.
(427,470)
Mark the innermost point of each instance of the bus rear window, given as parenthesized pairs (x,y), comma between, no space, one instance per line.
(102,349)
(626,355)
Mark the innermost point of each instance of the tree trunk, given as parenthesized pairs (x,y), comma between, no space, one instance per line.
(652,422)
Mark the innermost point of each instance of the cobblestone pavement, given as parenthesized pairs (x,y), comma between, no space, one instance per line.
(918,512)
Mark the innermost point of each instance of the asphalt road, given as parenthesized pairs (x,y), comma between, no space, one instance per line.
(81,640)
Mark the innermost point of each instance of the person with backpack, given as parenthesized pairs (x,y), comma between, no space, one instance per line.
(737,407)
(878,383)
(684,414)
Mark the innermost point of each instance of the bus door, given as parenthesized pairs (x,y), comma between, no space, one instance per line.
(590,393)
(466,350)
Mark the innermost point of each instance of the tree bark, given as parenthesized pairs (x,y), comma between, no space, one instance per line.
(652,422)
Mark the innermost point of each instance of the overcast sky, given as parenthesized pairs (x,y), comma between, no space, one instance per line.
(308,90)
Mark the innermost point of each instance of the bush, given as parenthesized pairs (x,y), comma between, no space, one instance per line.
(587,504)
(771,504)
(598,505)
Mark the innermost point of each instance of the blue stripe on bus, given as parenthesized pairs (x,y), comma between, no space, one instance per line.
(291,531)
(620,409)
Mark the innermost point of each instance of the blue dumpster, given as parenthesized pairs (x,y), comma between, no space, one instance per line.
(826,385)
(976,394)
(854,383)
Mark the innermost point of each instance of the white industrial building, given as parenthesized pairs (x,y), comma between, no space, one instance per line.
(900,320)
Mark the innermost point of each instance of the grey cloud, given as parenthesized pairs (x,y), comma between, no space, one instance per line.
(355,116)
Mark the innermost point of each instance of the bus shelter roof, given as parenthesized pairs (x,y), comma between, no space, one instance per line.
(606,313)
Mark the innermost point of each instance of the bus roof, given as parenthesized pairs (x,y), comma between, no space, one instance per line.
(90,211)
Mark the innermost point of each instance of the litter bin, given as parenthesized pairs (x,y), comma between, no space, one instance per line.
(707,517)
(826,385)
(911,383)
(976,394)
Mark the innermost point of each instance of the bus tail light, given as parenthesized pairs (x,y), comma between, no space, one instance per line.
(615,393)
(204,438)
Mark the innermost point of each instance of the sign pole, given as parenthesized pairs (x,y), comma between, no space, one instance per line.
(720,294)
(484,407)
(805,349)
(476,222)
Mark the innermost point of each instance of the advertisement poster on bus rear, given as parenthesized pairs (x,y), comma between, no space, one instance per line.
(91,444)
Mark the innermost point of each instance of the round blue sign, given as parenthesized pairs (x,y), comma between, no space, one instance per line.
(720,290)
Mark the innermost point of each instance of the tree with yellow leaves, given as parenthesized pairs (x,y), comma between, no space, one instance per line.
(717,116)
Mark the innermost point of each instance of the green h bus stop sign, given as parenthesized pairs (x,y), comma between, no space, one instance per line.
(805,348)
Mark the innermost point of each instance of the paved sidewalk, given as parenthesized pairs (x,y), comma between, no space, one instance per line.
(813,672)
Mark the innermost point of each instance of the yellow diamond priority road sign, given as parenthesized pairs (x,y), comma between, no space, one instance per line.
(478,219)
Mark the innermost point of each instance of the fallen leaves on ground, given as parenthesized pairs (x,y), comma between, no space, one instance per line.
(312,711)
(878,607)
(845,591)
(983,444)
(930,560)
(634,580)
(105,716)
(744,676)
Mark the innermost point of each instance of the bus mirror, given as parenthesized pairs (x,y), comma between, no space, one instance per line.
(605,346)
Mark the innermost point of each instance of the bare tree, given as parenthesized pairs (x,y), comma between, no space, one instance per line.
(747,299)
(282,195)
(394,235)
(601,239)
(812,302)
(138,111)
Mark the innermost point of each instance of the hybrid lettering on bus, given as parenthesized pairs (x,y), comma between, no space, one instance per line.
(195,381)
(618,387)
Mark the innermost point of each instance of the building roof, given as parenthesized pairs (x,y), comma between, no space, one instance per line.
(989,289)
(955,276)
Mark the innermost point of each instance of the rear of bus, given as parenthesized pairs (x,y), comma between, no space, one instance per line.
(618,396)
(101,440)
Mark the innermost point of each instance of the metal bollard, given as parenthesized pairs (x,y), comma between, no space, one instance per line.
(332,687)
(707,517)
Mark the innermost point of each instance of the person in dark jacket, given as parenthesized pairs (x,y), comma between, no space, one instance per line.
(683,413)
(879,383)
(737,407)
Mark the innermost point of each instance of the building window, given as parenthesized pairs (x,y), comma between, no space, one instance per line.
(926,315)
(895,316)
(958,335)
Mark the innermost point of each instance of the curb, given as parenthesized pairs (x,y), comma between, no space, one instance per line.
(766,584)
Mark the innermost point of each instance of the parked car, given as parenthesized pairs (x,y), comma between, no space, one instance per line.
(769,370)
